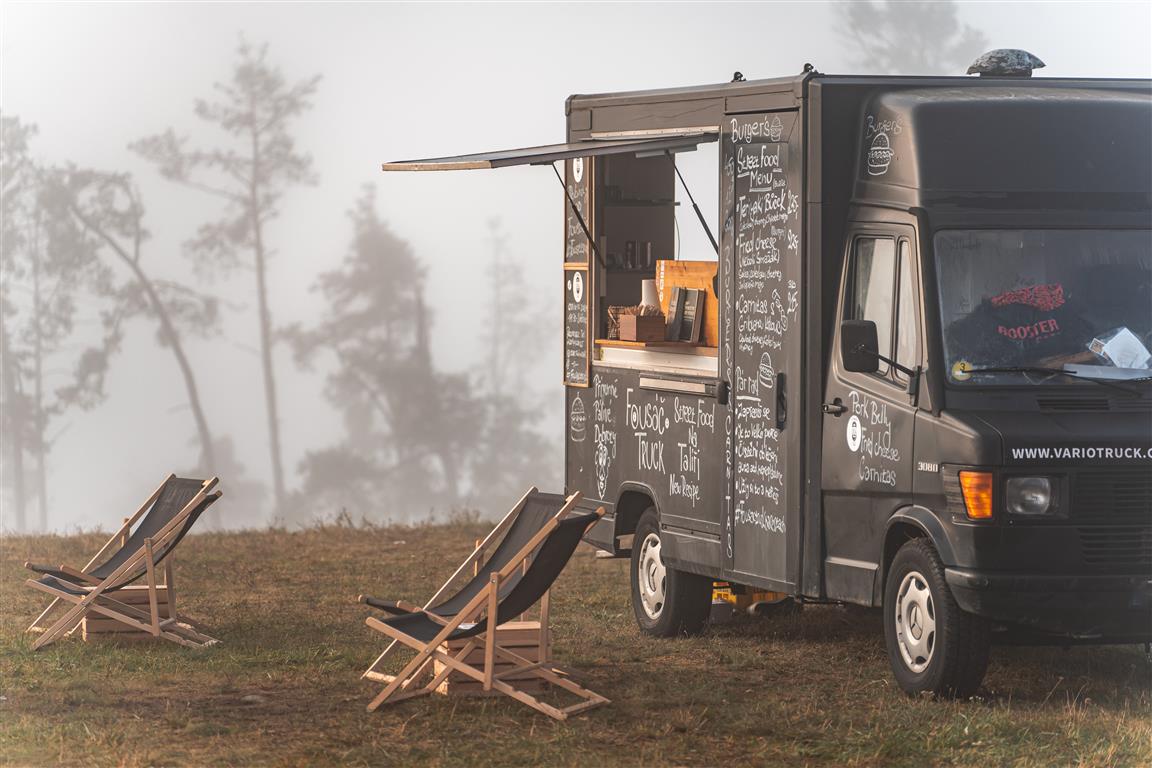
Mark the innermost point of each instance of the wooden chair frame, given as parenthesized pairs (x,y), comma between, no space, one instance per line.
(405,684)
(96,601)
(474,560)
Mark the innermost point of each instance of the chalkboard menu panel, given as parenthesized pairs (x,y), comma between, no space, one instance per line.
(577,324)
(578,181)
(761,255)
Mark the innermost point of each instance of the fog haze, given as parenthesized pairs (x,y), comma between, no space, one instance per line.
(398,81)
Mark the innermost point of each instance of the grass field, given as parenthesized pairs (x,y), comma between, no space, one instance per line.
(283,687)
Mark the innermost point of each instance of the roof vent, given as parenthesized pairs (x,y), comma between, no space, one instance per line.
(1005,62)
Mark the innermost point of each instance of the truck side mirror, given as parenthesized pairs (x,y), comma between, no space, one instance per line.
(859,350)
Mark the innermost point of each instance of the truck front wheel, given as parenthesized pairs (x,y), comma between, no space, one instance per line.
(666,602)
(933,646)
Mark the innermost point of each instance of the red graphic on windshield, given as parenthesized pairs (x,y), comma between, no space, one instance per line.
(1043,297)
(1040,330)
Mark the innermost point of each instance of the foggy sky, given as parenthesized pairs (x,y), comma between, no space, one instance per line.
(399,81)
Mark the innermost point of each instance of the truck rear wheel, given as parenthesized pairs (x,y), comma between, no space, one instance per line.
(666,602)
(933,646)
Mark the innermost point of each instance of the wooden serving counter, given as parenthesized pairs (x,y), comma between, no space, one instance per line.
(665,356)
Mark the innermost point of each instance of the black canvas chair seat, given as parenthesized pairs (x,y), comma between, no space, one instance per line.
(549,561)
(67,586)
(530,564)
(161,513)
(140,548)
(537,510)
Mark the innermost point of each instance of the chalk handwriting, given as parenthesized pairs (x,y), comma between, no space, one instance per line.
(604,394)
(879,458)
(762,312)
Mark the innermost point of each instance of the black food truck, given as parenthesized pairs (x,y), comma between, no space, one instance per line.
(914,374)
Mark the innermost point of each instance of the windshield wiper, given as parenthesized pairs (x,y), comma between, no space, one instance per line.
(1060,371)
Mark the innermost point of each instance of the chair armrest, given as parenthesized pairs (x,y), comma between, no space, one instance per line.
(67,572)
(78,574)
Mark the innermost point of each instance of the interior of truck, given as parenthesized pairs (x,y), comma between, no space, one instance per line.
(655,220)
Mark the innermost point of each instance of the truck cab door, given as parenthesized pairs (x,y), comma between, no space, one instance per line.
(869,418)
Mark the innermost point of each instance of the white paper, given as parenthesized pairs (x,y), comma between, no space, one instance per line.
(1124,350)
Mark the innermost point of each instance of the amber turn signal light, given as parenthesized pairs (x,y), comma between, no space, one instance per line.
(977,488)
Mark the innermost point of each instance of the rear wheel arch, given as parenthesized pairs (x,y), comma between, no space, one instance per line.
(633,501)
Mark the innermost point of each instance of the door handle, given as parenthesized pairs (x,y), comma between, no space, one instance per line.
(836,407)
(781,400)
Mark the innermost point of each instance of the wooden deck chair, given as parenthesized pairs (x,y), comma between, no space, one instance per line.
(163,520)
(522,522)
(425,632)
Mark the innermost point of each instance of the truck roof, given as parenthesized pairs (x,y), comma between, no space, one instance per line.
(1009,145)
(961,142)
(795,84)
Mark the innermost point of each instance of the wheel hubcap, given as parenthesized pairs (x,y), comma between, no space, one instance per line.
(915,622)
(651,576)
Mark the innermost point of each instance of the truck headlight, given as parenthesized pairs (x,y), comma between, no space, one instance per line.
(1030,495)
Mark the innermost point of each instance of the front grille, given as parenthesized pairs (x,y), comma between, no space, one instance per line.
(1068,404)
(1117,545)
(1072,403)
(1112,496)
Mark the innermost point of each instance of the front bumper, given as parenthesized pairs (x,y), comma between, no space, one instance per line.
(1103,608)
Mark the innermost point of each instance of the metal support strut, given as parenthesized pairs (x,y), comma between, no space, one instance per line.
(583,225)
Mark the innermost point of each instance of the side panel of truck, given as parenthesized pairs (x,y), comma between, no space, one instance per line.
(762,285)
(628,432)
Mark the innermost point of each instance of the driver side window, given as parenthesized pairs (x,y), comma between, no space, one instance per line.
(873,289)
(882,289)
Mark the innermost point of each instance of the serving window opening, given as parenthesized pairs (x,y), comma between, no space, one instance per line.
(655,226)
(639,256)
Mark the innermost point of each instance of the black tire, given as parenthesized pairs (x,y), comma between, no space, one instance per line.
(957,657)
(687,598)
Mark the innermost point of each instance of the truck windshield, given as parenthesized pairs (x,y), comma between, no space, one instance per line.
(1071,300)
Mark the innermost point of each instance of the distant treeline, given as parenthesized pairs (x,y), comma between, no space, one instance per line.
(78,269)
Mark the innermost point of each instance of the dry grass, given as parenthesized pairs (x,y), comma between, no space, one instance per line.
(283,688)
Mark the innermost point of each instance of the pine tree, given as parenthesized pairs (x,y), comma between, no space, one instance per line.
(250,173)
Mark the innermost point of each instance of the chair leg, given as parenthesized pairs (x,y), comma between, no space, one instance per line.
(108,606)
(45,612)
(371,671)
(153,603)
(490,640)
(541,669)
(170,587)
(504,687)
(423,653)
(71,618)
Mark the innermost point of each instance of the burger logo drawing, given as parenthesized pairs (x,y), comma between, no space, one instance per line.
(765,373)
(775,129)
(577,420)
(880,154)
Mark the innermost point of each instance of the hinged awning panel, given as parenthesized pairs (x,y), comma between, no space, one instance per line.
(552,152)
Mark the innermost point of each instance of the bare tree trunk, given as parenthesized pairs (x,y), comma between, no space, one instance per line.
(497,329)
(169,334)
(38,419)
(442,448)
(266,331)
(269,376)
(14,428)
